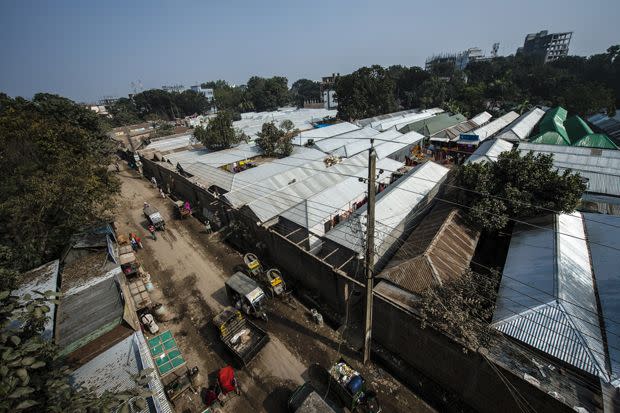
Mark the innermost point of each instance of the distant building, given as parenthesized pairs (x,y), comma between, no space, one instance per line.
(329,82)
(549,47)
(494,50)
(329,99)
(328,93)
(460,60)
(208,92)
(173,88)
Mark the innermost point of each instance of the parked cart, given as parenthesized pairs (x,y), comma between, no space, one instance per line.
(254,267)
(349,387)
(243,338)
(154,217)
(274,283)
(183,209)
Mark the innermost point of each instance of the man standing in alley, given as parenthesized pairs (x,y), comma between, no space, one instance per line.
(208,226)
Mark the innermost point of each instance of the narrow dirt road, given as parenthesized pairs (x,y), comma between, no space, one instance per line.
(189,268)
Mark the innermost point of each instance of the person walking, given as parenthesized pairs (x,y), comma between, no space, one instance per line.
(208,227)
(154,181)
(161,193)
(152,231)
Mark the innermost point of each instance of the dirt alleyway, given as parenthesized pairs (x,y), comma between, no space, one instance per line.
(189,268)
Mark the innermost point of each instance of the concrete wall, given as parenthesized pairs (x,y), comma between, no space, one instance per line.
(183,189)
(438,358)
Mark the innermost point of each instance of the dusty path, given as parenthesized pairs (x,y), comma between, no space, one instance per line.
(189,268)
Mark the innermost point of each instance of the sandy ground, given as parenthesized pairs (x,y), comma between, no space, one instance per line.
(188,268)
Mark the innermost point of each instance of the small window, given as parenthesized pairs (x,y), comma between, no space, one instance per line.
(596,152)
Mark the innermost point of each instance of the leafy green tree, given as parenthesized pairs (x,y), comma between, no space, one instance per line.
(304,90)
(367,92)
(124,112)
(55,160)
(268,93)
(275,141)
(219,133)
(516,186)
(462,308)
(32,378)
(408,81)
(170,105)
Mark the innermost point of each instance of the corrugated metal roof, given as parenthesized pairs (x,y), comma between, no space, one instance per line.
(600,166)
(252,122)
(438,250)
(453,132)
(548,270)
(41,279)
(431,126)
(329,145)
(553,121)
(609,125)
(521,128)
(215,159)
(83,312)
(549,138)
(387,116)
(489,150)
(279,195)
(604,230)
(399,143)
(491,128)
(393,208)
(481,118)
(596,140)
(361,145)
(169,143)
(209,175)
(313,212)
(323,133)
(399,122)
(114,369)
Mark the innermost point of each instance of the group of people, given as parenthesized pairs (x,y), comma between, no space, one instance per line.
(136,241)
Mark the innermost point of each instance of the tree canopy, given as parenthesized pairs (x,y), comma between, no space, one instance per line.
(219,133)
(276,141)
(55,177)
(305,90)
(268,93)
(516,186)
(583,85)
(367,92)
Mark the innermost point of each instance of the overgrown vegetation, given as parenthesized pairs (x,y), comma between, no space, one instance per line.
(276,141)
(583,85)
(516,186)
(31,378)
(55,157)
(219,132)
(462,308)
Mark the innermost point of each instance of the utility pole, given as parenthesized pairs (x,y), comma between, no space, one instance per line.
(370,247)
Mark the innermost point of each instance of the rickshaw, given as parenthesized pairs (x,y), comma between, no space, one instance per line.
(255,268)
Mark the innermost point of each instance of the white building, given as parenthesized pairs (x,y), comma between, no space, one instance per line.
(208,92)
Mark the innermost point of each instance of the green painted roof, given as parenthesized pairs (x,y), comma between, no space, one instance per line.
(596,140)
(553,121)
(430,126)
(576,128)
(550,138)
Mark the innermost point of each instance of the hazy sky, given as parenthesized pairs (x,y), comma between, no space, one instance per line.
(88,49)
